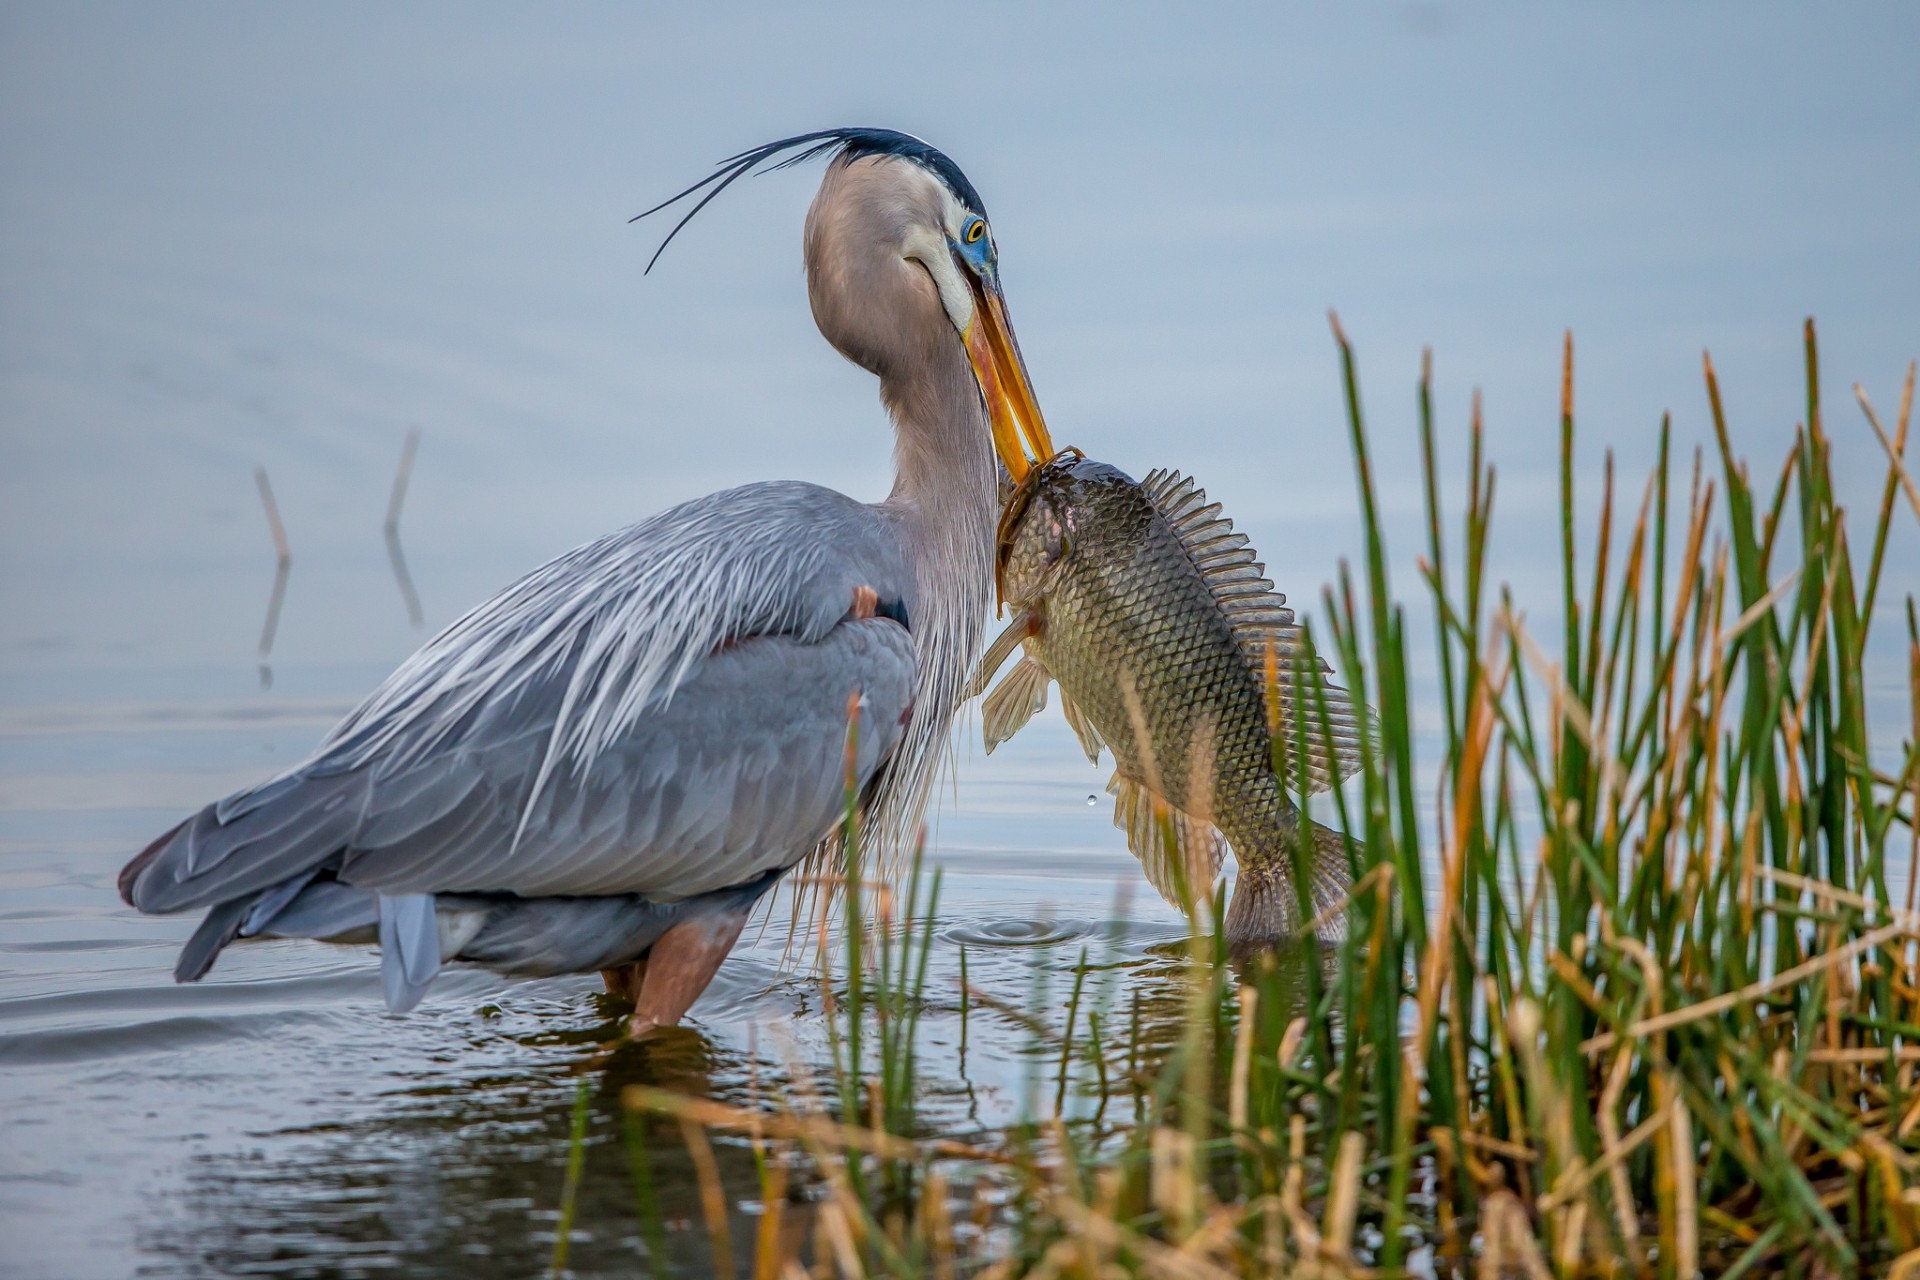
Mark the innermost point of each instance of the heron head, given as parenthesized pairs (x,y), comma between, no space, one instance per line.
(901,260)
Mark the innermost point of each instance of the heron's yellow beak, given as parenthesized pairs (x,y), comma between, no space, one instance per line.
(1004,385)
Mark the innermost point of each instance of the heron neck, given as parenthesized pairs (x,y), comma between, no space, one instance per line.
(946,478)
(945,500)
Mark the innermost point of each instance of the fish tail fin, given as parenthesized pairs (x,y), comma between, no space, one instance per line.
(1332,879)
(1263,912)
(1265,908)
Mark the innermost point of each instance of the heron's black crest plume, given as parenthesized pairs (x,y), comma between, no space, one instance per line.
(849,143)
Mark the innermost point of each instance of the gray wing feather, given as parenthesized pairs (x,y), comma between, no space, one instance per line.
(626,619)
(207,860)
(661,712)
(216,929)
(327,909)
(741,772)
(409,948)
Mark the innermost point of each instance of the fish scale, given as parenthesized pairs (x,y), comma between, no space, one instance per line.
(1147,610)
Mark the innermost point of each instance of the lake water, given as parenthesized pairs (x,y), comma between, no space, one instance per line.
(236,237)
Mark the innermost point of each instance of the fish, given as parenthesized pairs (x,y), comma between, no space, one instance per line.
(1160,627)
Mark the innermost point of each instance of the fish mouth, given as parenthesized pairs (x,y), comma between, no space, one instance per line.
(1012,409)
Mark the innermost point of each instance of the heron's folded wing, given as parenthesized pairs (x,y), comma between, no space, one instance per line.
(741,772)
(567,713)
(623,621)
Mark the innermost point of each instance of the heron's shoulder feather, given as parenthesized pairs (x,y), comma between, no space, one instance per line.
(615,626)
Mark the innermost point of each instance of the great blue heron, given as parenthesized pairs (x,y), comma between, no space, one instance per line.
(606,765)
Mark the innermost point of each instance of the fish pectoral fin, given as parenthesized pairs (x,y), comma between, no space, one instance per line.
(1090,739)
(996,655)
(1014,701)
(1181,854)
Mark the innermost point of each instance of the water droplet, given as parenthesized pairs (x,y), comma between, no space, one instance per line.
(1093,800)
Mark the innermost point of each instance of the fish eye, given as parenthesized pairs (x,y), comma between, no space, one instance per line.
(978,229)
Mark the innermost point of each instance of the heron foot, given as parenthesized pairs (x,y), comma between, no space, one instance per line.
(866,603)
(678,968)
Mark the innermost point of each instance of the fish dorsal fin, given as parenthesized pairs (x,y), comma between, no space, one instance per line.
(1090,739)
(1260,618)
(1174,847)
(1013,702)
(1238,581)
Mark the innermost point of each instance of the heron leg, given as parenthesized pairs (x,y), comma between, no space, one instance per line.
(680,965)
(866,602)
(624,980)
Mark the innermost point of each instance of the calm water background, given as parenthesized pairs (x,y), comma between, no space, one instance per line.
(238,235)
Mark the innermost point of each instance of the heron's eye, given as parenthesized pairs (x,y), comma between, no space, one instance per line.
(974,232)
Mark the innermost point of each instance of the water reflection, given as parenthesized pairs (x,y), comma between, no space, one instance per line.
(459,1171)
(463,1178)
(1161,986)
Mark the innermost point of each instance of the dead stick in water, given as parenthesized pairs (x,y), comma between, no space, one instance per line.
(396,557)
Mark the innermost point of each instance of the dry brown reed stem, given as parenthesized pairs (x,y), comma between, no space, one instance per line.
(1249,998)
(815,1127)
(1143,740)
(1733,999)
(713,1197)
(1377,879)
(1566,705)
(846,1255)
(1466,811)
(1895,464)
(1757,610)
(938,1224)
(1613,1154)
(1578,1181)
(1160,1259)
(1509,1244)
(1343,1197)
(768,1252)
(1686,1190)
(1834,893)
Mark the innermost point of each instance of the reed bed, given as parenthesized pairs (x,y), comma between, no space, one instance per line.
(1641,1000)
